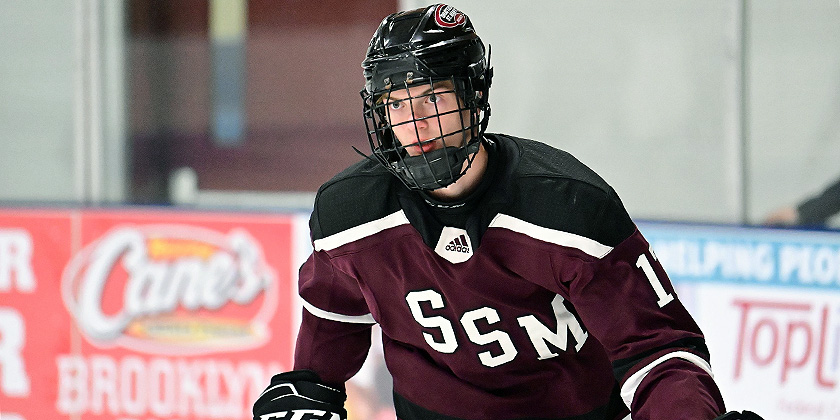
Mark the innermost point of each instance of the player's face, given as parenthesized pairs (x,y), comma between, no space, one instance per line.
(427,117)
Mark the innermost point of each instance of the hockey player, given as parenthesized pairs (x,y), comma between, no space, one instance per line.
(507,278)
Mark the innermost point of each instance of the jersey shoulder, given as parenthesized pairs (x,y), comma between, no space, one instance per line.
(542,161)
(557,191)
(357,195)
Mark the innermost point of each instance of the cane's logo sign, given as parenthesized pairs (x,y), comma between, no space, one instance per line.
(448,16)
(171,290)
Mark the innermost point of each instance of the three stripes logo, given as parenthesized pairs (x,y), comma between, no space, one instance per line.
(454,245)
(459,244)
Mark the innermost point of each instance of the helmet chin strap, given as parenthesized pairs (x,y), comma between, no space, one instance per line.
(436,169)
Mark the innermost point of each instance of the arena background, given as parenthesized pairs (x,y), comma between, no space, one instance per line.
(198,131)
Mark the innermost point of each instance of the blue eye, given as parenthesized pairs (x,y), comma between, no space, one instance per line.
(433,98)
(395,104)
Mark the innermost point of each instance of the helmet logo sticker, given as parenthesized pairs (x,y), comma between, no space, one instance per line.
(448,16)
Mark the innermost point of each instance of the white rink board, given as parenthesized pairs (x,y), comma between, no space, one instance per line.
(774,351)
(768,302)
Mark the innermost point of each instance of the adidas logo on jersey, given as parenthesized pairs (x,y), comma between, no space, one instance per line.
(454,245)
(459,244)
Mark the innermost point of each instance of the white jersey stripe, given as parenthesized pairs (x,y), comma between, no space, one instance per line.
(558,237)
(332,316)
(628,390)
(362,231)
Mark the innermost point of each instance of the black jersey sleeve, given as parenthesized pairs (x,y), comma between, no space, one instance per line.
(816,210)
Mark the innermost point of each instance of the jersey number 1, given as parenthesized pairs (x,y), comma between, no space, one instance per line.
(663,296)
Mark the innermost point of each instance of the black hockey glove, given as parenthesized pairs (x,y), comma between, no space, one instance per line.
(300,395)
(744,415)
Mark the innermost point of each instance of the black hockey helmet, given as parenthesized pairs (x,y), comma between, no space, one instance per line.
(426,46)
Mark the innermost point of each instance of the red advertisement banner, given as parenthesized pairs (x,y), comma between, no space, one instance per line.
(146,315)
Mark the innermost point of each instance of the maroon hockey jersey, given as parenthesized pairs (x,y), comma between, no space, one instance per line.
(543,302)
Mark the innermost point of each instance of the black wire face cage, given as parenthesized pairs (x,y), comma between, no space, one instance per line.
(441,166)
